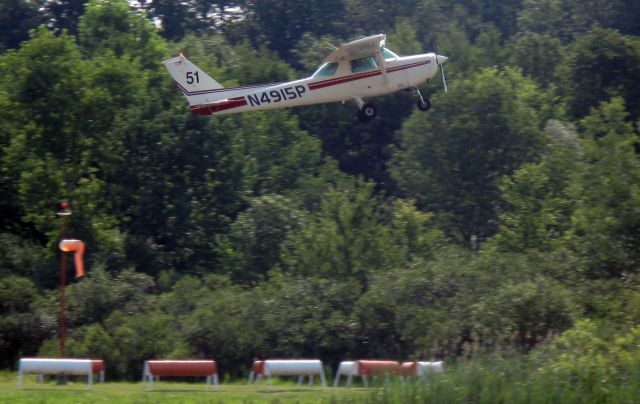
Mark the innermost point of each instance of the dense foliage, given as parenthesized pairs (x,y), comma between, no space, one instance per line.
(506,215)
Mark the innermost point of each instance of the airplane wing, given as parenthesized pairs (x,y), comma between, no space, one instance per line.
(361,48)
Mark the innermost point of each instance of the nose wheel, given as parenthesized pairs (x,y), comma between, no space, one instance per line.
(423,103)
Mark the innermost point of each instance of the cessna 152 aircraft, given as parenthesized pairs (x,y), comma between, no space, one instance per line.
(355,71)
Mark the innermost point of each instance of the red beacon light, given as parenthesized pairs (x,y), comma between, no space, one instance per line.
(64,209)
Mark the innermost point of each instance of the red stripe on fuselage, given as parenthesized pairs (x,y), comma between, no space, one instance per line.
(208,109)
(342,80)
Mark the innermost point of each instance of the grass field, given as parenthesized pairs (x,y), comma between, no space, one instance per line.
(484,381)
(169,392)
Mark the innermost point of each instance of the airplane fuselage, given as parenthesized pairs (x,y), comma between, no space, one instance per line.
(397,74)
(355,71)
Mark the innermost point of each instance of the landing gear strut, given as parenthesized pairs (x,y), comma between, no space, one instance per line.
(423,103)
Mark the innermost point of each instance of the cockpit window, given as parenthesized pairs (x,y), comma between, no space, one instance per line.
(387,54)
(327,69)
(362,64)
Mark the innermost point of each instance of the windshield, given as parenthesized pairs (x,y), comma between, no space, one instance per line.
(327,69)
(387,54)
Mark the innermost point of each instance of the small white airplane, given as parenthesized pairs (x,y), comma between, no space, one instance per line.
(357,70)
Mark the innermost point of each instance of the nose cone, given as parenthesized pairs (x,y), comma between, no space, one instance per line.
(440,59)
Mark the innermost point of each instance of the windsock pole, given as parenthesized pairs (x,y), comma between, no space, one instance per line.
(63,281)
(63,213)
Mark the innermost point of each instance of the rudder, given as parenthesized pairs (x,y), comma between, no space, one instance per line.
(192,81)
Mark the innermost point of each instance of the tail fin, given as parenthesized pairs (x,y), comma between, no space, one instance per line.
(192,81)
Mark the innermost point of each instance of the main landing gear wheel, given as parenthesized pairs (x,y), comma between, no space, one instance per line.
(423,104)
(367,112)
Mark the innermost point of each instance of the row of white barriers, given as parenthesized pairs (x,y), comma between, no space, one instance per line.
(154,369)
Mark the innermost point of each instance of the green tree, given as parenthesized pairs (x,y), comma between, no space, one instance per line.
(194,175)
(258,66)
(252,246)
(451,160)
(51,152)
(404,38)
(213,54)
(569,19)
(488,49)
(537,198)
(124,341)
(182,170)
(10,213)
(21,256)
(414,232)
(549,17)
(607,194)
(434,18)
(597,66)
(276,155)
(454,42)
(310,51)
(188,181)
(345,239)
(223,323)
(537,55)
(372,17)
(19,333)
(524,312)
(94,298)
(306,317)
(178,19)
(63,15)
(136,338)
(280,24)
(421,310)
(17,17)
(589,357)
(112,26)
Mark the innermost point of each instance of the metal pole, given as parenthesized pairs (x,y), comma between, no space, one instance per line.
(63,282)
(63,213)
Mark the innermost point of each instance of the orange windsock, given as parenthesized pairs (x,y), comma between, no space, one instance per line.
(76,246)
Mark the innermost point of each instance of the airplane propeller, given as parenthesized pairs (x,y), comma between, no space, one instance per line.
(440,60)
